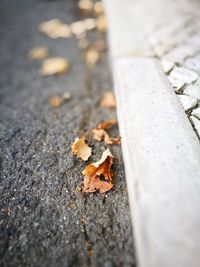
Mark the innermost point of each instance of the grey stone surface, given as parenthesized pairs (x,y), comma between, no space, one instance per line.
(193,91)
(187,102)
(44,219)
(196,112)
(196,124)
(184,75)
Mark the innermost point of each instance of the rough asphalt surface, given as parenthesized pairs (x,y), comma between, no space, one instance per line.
(44,219)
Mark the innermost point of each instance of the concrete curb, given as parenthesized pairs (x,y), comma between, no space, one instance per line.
(161,154)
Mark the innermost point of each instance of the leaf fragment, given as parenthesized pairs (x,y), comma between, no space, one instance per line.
(54,66)
(92,56)
(108,100)
(39,52)
(102,23)
(98,8)
(98,175)
(55,101)
(86,6)
(100,133)
(54,28)
(81,149)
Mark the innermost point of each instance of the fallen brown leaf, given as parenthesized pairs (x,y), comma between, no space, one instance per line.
(101,23)
(54,66)
(86,6)
(83,43)
(98,8)
(100,134)
(55,101)
(39,52)
(91,57)
(107,124)
(98,175)
(81,149)
(54,28)
(78,28)
(108,100)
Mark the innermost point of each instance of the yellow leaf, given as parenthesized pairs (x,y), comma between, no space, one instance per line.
(81,149)
(53,66)
(39,52)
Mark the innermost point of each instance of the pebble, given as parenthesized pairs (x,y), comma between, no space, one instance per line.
(193,90)
(196,124)
(178,54)
(167,65)
(193,63)
(176,84)
(196,113)
(184,75)
(187,102)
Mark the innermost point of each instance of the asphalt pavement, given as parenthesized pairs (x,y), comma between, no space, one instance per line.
(44,218)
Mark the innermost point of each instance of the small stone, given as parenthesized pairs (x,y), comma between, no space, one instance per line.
(179,54)
(196,124)
(184,75)
(66,96)
(167,65)
(193,64)
(193,90)
(176,84)
(187,102)
(196,113)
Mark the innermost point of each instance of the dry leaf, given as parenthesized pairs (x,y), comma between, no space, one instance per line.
(100,134)
(81,149)
(54,28)
(91,57)
(89,24)
(55,101)
(86,6)
(107,124)
(78,28)
(39,52)
(53,66)
(98,8)
(83,43)
(98,175)
(108,100)
(101,23)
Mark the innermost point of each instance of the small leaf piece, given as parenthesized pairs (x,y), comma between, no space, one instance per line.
(81,149)
(91,57)
(94,172)
(53,66)
(55,101)
(108,100)
(39,52)
(54,28)
(100,134)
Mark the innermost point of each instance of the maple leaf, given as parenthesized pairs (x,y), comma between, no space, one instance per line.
(98,175)
(81,149)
